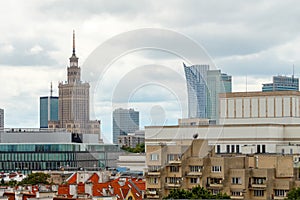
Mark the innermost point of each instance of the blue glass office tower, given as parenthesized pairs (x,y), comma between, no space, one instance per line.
(124,121)
(48,110)
(204,86)
(196,76)
(282,83)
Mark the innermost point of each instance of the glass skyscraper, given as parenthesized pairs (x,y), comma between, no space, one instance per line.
(124,121)
(48,110)
(203,87)
(282,83)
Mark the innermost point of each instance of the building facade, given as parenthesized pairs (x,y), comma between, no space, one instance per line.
(282,83)
(73,112)
(124,121)
(1,118)
(260,176)
(132,139)
(28,150)
(204,86)
(48,110)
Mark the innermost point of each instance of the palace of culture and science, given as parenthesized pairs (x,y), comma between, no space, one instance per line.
(73,111)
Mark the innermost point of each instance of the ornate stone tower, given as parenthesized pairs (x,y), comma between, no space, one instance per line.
(73,112)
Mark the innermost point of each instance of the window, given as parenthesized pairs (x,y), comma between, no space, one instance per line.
(227,148)
(154,156)
(216,169)
(237,148)
(280,193)
(153,180)
(154,168)
(171,157)
(263,148)
(174,169)
(194,180)
(291,151)
(236,180)
(258,148)
(218,149)
(232,148)
(259,180)
(258,193)
(236,194)
(174,180)
(195,168)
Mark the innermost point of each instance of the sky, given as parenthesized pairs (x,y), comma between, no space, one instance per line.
(250,40)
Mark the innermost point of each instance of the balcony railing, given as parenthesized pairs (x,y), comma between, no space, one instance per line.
(174,162)
(198,173)
(153,173)
(172,185)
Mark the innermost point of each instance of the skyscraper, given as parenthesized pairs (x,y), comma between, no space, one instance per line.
(204,86)
(1,118)
(282,83)
(48,109)
(124,121)
(196,77)
(73,101)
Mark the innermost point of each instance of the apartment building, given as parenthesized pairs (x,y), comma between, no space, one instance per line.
(178,165)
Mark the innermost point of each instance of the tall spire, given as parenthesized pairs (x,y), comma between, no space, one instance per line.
(74,42)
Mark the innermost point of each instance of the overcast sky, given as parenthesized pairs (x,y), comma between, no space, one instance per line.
(253,39)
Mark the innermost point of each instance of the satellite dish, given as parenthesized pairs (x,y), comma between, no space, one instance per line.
(195,136)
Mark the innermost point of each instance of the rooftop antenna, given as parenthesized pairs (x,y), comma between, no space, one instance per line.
(293,71)
(51,90)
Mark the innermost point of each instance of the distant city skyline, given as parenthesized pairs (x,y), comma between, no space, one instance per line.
(256,40)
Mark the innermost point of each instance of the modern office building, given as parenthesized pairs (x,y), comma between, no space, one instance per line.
(48,109)
(204,86)
(73,102)
(28,150)
(282,83)
(1,118)
(124,121)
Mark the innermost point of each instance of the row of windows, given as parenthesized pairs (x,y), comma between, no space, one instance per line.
(216,168)
(36,156)
(34,165)
(38,147)
(236,148)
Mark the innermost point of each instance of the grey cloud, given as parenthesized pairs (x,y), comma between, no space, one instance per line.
(27,52)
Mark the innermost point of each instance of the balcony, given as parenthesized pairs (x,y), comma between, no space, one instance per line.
(279,197)
(237,197)
(258,186)
(215,185)
(153,173)
(152,195)
(174,162)
(172,185)
(194,174)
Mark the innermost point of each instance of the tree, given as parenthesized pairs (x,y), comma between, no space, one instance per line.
(294,194)
(196,193)
(35,178)
(140,148)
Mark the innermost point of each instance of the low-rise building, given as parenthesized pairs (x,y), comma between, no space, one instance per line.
(176,165)
(132,139)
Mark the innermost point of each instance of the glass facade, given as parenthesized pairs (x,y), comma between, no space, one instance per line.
(282,83)
(29,157)
(196,77)
(48,110)
(204,86)
(124,121)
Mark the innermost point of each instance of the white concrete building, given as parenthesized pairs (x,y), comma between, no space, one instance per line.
(251,122)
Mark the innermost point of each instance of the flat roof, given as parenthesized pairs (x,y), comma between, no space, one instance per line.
(258,94)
